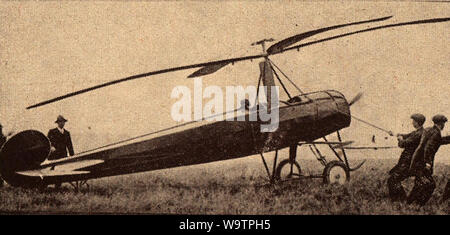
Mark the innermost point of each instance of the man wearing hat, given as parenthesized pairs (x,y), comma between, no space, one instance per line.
(60,140)
(2,137)
(446,195)
(2,141)
(400,172)
(422,162)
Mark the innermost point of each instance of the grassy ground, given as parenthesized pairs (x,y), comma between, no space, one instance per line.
(230,187)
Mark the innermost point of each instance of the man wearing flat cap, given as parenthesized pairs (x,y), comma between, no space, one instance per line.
(446,140)
(423,160)
(2,137)
(400,172)
(60,140)
(2,141)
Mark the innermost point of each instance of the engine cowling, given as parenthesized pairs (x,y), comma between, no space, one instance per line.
(24,151)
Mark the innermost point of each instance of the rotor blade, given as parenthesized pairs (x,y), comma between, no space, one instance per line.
(208,70)
(355,99)
(279,46)
(427,21)
(212,63)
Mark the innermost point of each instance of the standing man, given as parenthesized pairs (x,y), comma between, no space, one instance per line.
(446,196)
(400,172)
(423,160)
(2,137)
(2,141)
(60,140)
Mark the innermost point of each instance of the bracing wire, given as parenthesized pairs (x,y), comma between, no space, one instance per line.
(271,62)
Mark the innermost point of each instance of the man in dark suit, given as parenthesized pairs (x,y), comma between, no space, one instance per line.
(446,195)
(3,137)
(60,140)
(2,141)
(400,172)
(423,160)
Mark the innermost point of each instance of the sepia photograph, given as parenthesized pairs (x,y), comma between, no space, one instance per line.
(225,108)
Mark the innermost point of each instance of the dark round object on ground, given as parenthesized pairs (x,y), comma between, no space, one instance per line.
(24,151)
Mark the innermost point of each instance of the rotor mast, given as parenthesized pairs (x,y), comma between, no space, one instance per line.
(266,73)
(263,44)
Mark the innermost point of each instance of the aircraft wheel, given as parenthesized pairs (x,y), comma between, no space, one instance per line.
(286,170)
(336,172)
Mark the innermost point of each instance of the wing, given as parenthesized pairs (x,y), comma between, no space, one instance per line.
(62,169)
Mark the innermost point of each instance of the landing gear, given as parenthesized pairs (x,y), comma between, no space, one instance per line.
(336,172)
(287,170)
(78,185)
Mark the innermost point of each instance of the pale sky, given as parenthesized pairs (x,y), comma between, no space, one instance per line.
(52,48)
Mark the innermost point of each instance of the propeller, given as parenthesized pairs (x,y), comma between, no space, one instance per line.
(277,48)
(355,99)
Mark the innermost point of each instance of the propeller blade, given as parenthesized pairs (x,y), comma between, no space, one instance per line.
(279,46)
(427,21)
(212,63)
(355,99)
(208,70)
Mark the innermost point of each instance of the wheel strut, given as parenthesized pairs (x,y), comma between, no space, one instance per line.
(77,185)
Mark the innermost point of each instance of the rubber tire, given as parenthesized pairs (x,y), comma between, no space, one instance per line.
(331,165)
(281,165)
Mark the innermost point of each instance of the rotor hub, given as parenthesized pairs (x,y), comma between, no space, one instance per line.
(263,43)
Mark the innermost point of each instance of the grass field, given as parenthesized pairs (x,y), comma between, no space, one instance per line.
(230,187)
